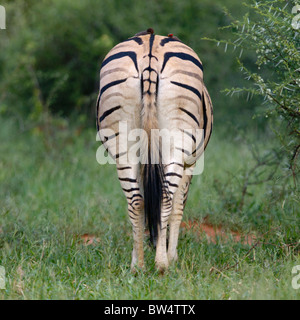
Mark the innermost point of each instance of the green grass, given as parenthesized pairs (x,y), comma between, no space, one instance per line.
(52,190)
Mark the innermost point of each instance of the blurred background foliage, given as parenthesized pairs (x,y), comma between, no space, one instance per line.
(52,50)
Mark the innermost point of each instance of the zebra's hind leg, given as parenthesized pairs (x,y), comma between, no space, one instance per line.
(161,258)
(173,175)
(131,188)
(179,201)
(174,222)
(137,220)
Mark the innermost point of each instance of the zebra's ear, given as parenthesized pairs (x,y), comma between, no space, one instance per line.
(142,33)
(150,30)
(170,35)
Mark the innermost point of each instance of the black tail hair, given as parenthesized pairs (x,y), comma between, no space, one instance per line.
(152,173)
(153,194)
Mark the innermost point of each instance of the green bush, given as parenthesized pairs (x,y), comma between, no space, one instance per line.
(267,31)
(52,56)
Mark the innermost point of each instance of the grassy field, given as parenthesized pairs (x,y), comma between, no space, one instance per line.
(53,192)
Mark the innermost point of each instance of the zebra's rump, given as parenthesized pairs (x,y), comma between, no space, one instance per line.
(154,82)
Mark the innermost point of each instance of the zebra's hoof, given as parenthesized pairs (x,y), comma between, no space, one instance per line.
(136,268)
(173,258)
(162,266)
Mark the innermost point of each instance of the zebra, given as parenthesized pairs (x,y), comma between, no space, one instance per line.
(154,82)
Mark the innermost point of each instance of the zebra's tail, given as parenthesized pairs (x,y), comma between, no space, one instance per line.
(153,183)
(152,169)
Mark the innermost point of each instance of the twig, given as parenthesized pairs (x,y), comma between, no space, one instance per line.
(293,161)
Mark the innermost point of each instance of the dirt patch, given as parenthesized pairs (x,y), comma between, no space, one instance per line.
(215,233)
(88,239)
